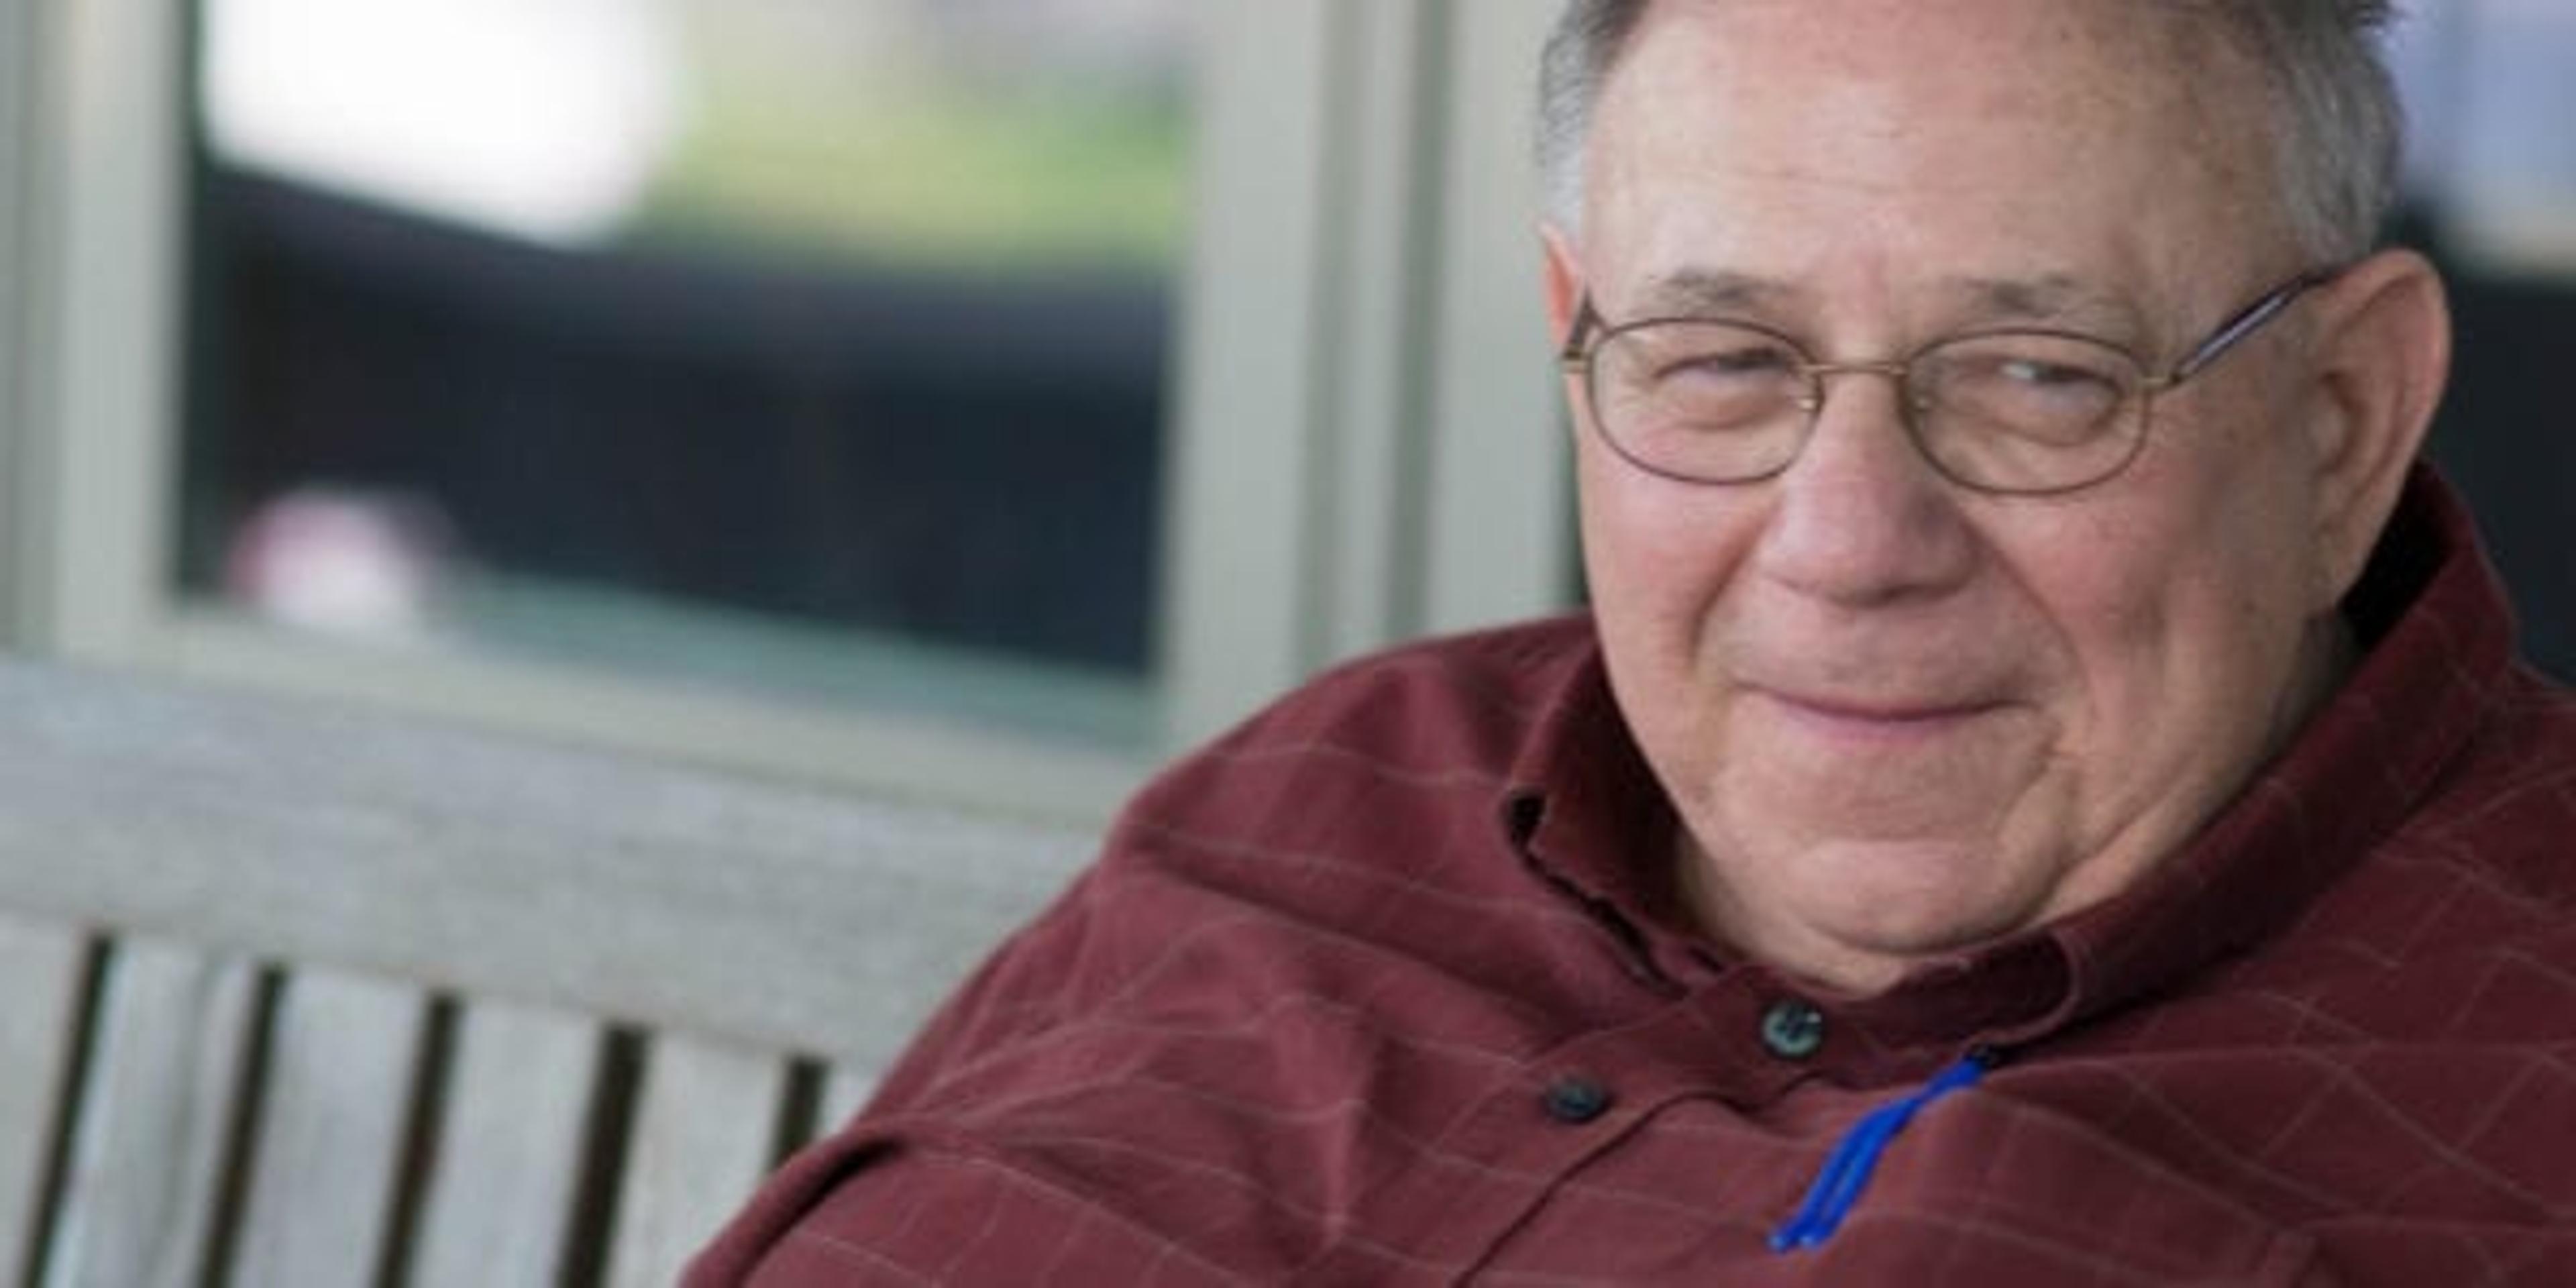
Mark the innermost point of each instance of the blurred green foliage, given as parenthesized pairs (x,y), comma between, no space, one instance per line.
(1051,174)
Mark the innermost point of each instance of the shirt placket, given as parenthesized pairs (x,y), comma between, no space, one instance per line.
(1741,1041)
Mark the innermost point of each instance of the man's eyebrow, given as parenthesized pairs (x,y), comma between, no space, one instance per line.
(1694,292)
(2054,298)
(2057,300)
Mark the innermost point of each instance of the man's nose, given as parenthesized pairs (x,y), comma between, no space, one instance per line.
(1861,517)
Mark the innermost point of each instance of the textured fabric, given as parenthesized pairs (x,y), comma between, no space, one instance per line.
(1387,987)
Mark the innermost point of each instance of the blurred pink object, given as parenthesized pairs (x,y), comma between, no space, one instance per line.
(342,561)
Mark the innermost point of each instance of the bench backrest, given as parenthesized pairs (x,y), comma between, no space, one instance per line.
(298,996)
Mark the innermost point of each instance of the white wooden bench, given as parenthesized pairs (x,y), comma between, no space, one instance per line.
(297,996)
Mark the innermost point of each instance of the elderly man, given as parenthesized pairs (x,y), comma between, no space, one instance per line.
(2043,795)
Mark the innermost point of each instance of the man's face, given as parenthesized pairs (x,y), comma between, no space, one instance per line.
(1898,717)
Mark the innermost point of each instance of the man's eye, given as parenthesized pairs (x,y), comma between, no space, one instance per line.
(2039,373)
(2022,378)
(2025,393)
(1733,363)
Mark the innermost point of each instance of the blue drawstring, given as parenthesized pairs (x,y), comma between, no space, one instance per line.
(1847,1170)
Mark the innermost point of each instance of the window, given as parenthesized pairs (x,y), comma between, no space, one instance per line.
(816,348)
(2487,87)
(607,438)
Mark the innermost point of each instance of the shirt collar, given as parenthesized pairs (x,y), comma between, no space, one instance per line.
(1583,809)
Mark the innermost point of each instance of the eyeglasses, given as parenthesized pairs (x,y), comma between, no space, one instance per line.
(2020,412)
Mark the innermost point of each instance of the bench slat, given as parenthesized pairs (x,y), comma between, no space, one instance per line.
(344,1053)
(147,1150)
(703,1137)
(506,1171)
(40,980)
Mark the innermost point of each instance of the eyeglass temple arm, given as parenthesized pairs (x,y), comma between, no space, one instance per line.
(1586,321)
(2245,323)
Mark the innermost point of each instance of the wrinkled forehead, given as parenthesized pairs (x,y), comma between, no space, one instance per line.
(2164,59)
(1927,124)
(2196,43)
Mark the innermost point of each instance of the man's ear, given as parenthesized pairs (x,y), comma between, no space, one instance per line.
(1564,281)
(2383,355)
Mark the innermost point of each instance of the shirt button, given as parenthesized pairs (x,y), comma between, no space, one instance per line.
(1793,1030)
(1575,1101)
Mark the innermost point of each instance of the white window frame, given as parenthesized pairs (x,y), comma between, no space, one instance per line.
(1366,442)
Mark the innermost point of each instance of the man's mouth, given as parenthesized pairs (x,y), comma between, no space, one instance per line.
(1875,719)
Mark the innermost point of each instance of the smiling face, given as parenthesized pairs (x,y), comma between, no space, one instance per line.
(1898,717)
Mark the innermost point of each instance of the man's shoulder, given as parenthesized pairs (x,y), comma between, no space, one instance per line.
(1453,713)
(2497,829)
(2545,704)
(2523,757)
(2512,799)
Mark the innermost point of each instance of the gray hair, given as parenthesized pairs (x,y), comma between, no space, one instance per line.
(2337,127)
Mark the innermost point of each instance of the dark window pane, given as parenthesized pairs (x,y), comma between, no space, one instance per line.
(854,351)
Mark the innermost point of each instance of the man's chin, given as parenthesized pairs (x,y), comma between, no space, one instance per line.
(1854,913)
(1909,897)
(1952,773)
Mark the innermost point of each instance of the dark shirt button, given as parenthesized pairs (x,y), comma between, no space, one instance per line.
(1793,1030)
(1576,1101)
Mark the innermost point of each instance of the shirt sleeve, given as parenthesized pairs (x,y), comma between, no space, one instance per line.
(880,1198)
(874,1210)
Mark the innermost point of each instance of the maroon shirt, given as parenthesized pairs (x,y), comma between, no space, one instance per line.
(1389,987)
